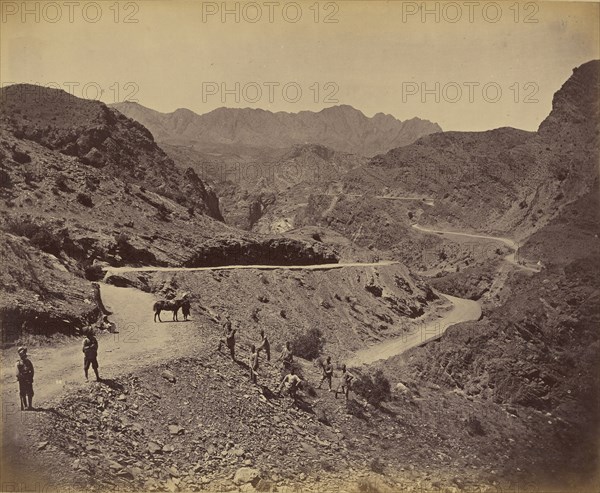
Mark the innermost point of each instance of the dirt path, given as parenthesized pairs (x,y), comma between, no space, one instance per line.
(423,200)
(116,270)
(463,310)
(511,257)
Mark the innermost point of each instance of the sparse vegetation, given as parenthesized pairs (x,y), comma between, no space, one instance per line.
(61,182)
(377,466)
(473,426)
(85,199)
(94,272)
(5,181)
(309,344)
(366,485)
(21,157)
(374,388)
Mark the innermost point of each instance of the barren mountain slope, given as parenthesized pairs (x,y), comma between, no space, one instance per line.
(503,179)
(266,194)
(537,354)
(84,184)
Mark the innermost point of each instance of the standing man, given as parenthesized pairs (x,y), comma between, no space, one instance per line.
(90,354)
(25,377)
(327,373)
(287,357)
(264,344)
(185,309)
(345,383)
(228,339)
(253,364)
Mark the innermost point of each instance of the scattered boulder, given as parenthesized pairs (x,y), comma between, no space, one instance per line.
(246,475)
(176,430)
(154,448)
(169,376)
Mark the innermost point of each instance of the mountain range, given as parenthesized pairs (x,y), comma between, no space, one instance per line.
(246,132)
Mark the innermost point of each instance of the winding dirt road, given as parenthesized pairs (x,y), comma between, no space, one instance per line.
(511,257)
(141,342)
(138,343)
(463,310)
(424,200)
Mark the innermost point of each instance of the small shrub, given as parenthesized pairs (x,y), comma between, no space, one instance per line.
(21,157)
(85,199)
(366,485)
(377,466)
(61,183)
(374,388)
(355,409)
(122,240)
(30,177)
(94,273)
(309,344)
(162,211)
(92,183)
(473,426)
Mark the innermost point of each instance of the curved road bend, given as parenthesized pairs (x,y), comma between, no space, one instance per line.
(463,311)
(511,257)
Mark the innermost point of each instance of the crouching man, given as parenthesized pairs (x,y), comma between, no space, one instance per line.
(291,382)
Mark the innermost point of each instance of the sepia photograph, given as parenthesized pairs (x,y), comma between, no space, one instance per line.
(306,246)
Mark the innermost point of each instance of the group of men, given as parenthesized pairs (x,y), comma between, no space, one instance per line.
(291,382)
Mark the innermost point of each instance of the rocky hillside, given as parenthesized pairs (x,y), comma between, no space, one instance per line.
(99,137)
(246,131)
(536,352)
(351,307)
(504,179)
(196,424)
(82,186)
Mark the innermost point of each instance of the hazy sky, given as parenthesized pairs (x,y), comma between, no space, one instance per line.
(466,65)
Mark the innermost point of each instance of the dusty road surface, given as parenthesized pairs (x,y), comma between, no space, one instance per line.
(512,244)
(383,263)
(424,200)
(139,342)
(462,311)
